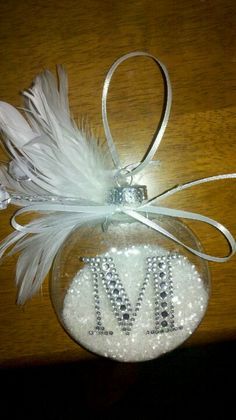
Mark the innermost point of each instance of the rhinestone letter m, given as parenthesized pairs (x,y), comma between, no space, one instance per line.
(159,269)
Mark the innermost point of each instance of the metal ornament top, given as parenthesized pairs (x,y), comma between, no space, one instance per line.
(131,195)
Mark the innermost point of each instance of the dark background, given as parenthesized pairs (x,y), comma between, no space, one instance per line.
(187,383)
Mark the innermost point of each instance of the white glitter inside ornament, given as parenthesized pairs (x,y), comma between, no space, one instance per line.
(134,302)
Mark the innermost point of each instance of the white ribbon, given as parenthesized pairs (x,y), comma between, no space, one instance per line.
(104,211)
(163,122)
(187,215)
(133,169)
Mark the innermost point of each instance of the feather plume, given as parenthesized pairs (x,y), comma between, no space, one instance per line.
(52,157)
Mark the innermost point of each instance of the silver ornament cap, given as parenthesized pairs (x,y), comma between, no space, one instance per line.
(132,195)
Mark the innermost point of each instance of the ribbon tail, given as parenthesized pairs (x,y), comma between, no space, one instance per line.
(190,184)
(188,215)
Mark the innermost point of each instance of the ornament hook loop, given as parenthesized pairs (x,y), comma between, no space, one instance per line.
(123,177)
(147,158)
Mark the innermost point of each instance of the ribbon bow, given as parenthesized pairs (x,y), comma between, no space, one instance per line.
(75,212)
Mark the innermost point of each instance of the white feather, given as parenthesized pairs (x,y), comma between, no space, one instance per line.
(38,251)
(59,159)
(14,126)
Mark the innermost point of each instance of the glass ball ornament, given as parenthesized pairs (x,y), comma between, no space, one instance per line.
(123,291)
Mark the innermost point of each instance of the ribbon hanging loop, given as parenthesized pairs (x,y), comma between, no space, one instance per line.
(161,126)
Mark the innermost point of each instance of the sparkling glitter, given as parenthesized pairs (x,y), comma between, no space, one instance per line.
(140,340)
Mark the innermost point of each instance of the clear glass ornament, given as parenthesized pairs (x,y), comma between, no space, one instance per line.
(124,291)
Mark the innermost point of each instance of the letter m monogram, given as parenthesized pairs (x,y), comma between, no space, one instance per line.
(158,270)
